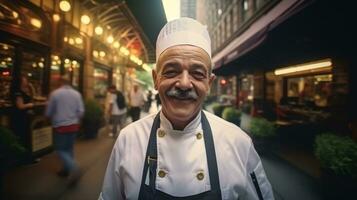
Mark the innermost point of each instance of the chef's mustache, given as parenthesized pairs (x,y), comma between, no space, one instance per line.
(182,94)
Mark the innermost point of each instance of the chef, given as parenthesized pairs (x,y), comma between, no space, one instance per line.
(183,151)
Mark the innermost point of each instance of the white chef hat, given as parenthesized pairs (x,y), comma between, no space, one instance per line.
(183,31)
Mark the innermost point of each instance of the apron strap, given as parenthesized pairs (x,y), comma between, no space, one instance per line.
(151,157)
(210,154)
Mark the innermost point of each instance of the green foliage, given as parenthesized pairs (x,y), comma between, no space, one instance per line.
(232,115)
(9,143)
(217,109)
(336,153)
(146,77)
(260,127)
(93,111)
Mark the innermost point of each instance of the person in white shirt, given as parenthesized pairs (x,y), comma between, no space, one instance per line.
(118,112)
(137,100)
(183,151)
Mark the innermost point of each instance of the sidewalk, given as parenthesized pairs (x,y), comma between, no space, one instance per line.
(289,182)
(39,181)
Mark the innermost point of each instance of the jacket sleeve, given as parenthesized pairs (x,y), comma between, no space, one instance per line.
(257,182)
(112,186)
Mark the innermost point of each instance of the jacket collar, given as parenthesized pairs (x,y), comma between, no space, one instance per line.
(192,126)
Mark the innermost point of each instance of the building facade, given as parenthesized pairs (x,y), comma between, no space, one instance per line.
(95,44)
(188,8)
(285,57)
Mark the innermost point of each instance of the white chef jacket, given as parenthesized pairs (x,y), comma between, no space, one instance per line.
(182,156)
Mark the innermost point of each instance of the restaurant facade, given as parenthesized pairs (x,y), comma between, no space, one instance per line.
(94,44)
(291,60)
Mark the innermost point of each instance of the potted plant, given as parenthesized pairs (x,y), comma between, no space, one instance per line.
(217,109)
(262,131)
(232,115)
(92,119)
(338,159)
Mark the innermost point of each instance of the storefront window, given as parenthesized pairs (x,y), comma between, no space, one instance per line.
(310,90)
(33,65)
(72,68)
(55,71)
(246,90)
(227,87)
(101,81)
(7,53)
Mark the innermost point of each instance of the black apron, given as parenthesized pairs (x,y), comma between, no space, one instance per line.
(150,192)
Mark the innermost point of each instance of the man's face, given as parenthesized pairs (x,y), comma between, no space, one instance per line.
(183,80)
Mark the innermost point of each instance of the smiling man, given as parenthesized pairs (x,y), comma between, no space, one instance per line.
(183,151)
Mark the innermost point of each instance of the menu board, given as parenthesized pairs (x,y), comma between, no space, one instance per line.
(41,138)
(41,133)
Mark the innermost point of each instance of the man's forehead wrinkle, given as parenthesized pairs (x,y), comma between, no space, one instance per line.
(193,65)
(183,57)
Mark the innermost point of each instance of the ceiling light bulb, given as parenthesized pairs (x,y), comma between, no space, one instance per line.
(98,30)
(65,6)
(85,19)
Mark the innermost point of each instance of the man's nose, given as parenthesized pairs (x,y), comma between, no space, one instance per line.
(184,81)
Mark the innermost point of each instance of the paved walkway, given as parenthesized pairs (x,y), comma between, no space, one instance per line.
(289,182)
(39,181)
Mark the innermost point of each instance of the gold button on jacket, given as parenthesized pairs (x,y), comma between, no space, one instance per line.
(200,176)
(162,174)
(199,135)
(161,133)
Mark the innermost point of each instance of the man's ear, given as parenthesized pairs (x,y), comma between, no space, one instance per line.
(211,79)
(154,77)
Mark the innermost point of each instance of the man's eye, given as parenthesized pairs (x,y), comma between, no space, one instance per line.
(170,73)
(198,75)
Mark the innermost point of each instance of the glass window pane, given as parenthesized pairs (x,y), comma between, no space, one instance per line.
(33,65)
(7,54)
(55,71)
(310,90)
(101,81)
(72,68)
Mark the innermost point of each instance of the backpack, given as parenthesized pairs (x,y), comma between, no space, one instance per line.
(120,100)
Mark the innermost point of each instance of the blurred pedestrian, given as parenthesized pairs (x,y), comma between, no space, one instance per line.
(21,117)
(183,152)
(137,99)
(148,101)
(107,111)
(65,109)
(117,108)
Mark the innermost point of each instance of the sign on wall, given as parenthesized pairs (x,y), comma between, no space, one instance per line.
(41,138)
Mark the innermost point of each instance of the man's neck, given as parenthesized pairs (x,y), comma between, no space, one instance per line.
(179,125)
